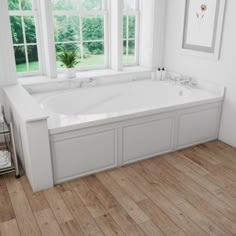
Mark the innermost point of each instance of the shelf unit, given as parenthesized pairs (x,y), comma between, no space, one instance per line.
(6,131)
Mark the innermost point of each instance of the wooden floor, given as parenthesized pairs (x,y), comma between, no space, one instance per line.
(190,192)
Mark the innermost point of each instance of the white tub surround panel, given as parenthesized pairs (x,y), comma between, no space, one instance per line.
(36,150)
(32,131)
(147,139)
(198,125)
(83,152)
(86,151)
(116,124)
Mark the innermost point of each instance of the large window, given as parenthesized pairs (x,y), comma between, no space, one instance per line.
(23,20)
(80,25)
(130,32)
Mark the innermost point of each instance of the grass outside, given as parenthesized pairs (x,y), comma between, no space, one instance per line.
(128,59)
(90,61)
(33,66)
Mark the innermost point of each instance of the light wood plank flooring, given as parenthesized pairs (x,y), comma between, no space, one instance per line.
(189,192)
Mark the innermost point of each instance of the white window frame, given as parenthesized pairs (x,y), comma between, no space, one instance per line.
(105,40)
(136,14)
(46,42)
(36,14)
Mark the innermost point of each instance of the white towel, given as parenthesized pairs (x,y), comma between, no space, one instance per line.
(5,159)
(1,118)
(3,153)
(7,165)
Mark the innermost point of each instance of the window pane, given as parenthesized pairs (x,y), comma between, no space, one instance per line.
(131,47)
(129,56)
(86,5)
(131,52)
(129,5)
(89,5)
(128,59)
(13,5)
(124,51)
(30,32)
(33,58)
(131,27)
(20,58)
(66,28)
(124,27)
(16,29)
(124,46)
(24,36)
(65,4)
(93,54)
(26,5)
(93,28)
(66,46)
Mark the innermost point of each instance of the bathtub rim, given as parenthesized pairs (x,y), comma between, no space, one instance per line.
(120,118)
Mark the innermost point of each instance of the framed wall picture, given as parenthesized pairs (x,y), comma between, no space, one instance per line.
(202,29)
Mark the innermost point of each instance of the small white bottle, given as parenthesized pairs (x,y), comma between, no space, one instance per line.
(159,74)
(163,74)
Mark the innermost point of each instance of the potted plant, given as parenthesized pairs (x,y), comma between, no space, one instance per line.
(68,58)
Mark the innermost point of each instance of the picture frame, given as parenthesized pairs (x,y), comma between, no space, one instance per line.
(202,28)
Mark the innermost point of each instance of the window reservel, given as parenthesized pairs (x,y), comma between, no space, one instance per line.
(81,25)
(23,18)
(130,32)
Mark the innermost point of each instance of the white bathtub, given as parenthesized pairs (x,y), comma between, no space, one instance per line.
(84,107)
(97,128)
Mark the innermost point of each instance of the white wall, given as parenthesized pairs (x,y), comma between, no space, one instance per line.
(221,72)
(7,61)
(151,33)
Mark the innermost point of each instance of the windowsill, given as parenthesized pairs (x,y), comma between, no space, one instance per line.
(31,80)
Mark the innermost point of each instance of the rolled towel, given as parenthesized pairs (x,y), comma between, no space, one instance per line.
(8,164)
(1,118)
(5,158)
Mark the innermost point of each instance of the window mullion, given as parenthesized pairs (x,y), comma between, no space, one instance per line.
(137,5)
(137,31)
(24,40)
(81,38)
(39,40)
(21,13)
(106,38)
(106,35)
(49,51)
(104,5)
(22,44)
(116,32)
(127,38)
(78,13)
(20,5)
(132,12)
